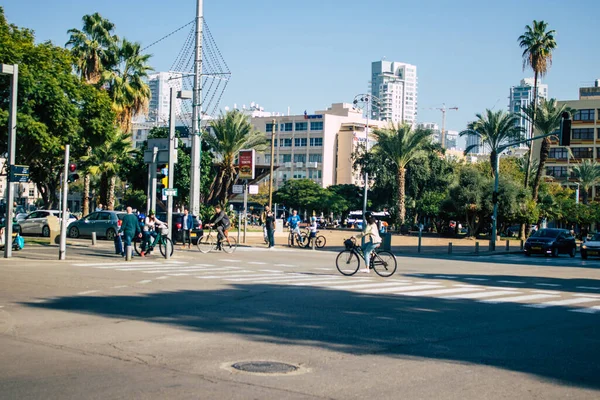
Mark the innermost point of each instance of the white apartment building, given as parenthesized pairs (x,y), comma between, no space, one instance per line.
(160,85)
(396,85)
(317,146)
(520,97)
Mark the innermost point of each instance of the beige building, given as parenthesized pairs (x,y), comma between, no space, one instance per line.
(585,138)
(317,146)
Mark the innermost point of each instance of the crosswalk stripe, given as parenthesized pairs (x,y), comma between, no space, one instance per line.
(588,310)
(444,276)
(316,282)
(588,295)
(190,269)
(400,289)
(439,291)
(368,285)
(284,265)
(173,268)
(230,276)
(181,274)
(547,284)
(256,262)
(476,279)
(87,292)
(229,260)
(299,279)
(511,282)
(588,287)
(479,295)
(132,265)
(269,278)
(508,289)
(126,262)
(270,270)
(567,302)
(519,298)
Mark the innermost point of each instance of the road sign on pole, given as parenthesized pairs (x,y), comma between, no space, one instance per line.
(169,192)
(237,189)
(19,173)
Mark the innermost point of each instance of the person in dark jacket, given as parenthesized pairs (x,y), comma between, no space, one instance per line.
(270,226)
(221,221)
(187,224)
(130,228)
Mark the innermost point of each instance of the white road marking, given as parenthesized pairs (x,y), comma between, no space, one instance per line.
(546,291)
(167,268)
(270,270)
(177,275)
(323,269)
(295,279)
(511,282)
(145,281)
(400,289)
(133,265)
(316,282)
(439,291)
(588,295)
(284,265)
(502,288)
(230,276)
(444,276)
(256,262)
(126,262)
(589,310)
(268,278)
(479,295)
(163,277)
(588,287)
(87,292)
(476,279)
(562,302)
(368,285)
(519,298)
(229,260)
(119,287)
(162,271)
(464,285)
(548,284)
(209,265)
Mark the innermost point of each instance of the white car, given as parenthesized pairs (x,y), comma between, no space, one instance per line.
(591,247)
(36,223)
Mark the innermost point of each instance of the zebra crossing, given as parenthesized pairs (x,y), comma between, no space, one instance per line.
(240,272)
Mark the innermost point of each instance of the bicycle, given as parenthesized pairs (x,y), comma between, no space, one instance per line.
(319,239)
(161,240)
(348,261)
(208,242)
(299,238)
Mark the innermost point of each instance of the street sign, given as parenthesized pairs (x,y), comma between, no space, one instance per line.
(253,189)
(169,192)
(237,189)
(19,173)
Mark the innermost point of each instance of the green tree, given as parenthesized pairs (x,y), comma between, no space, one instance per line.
(399,145)
(230,133)
(588,175)
(538,44)
(351,194)
(300,194)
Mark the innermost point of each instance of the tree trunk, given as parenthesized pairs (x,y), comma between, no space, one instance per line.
(104,189)
(585,195)
(544,152)
(401,180)
(86,194)
(530,158)
(112,183)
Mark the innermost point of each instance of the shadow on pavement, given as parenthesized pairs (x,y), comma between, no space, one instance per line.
(551,343)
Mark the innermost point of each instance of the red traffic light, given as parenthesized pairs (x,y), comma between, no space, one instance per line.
(72,167)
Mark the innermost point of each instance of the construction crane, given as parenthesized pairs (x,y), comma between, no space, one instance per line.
(443,109)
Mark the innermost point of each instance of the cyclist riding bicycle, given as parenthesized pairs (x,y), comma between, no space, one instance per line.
(149,231)
(294,223)
(221,221)
(372,232)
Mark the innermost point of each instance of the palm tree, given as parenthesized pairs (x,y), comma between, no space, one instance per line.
(126,84)
(537,44)
(545,119)
(588,175)
(231,132)
(400,144)
(90,47)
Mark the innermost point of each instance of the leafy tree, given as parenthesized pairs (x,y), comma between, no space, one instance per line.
(351,195)
(588,175)
(538,44)
(300,194)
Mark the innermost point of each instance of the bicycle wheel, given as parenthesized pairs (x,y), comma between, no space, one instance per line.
(290,240)
(206,244)
(137,246)
(384,263)
(304,240)
(320,242)
(166,245)
(347,262)
(229,247)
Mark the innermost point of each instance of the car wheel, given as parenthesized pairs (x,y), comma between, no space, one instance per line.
(46,231)
(584,255)
(110,234)
(554,252)
(572,252)
(74,232)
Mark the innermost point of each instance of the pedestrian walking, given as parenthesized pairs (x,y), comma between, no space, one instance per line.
(130,228)
(270,226)
(186,228)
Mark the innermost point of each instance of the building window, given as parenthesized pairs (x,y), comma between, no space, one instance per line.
(300,158)
(269,127)
(301,126)
(316,126)
(31,193)
(315,174)
(285,158)
(299,174)
(315,158)
(286,127)
(274,142)
(583,152)
(300,142)
(316,142)
(285,142)
(557,172)
(559,153)
(583,133)
(267,159)
(584,115)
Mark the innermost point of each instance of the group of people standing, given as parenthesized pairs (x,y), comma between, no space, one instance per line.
(293,222)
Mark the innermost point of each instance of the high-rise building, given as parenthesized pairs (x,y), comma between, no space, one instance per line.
(160,84)
(474,140)
(395,84)
(522,96)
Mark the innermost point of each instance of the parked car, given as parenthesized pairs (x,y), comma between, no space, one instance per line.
(105,223)
(36,223)
(176,232)
(550,241)
(591,247)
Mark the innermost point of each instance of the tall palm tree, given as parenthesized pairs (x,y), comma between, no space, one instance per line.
(90,47)
(537,43)
(126,84)
(231,132)
(546,119)
(400,144)
(588,174)
(494,130)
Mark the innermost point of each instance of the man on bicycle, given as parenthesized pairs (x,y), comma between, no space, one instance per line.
(151,225)
(221,221)
(294,223)
(372,232)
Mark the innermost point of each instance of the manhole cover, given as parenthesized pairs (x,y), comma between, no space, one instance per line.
(265,367)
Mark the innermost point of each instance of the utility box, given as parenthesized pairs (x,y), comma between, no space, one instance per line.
(386,241)
(279,226)
(54,225)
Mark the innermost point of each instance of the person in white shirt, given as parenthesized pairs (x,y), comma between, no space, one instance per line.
(370,230)
(313,229)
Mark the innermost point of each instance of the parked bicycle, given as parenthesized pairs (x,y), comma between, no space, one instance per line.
(210,242)
(348,260)
(319,239)
(161,240)
(298,239)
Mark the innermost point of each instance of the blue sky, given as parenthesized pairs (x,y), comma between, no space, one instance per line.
(309,54)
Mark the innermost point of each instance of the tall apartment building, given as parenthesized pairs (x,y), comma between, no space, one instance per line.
(318,146)
(585,139)
(520,97)
(396,85)
(160,84)
(473,140)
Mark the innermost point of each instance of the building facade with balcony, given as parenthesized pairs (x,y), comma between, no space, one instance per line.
(396,86)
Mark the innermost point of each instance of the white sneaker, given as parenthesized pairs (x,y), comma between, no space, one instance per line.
(365,271)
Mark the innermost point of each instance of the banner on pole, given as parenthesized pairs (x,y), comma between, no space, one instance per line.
(246,162)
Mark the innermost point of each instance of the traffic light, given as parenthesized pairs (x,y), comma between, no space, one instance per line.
(565,130)
(73,175)
(162,178)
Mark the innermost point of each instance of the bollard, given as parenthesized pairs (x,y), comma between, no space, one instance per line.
(522,244)
(93,238)
(167,251)
(128,253)
(450,248)
(419,246)
(507,245)
(476,247)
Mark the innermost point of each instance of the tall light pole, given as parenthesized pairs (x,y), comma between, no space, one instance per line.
(272,163)
(196,115)
(12,70)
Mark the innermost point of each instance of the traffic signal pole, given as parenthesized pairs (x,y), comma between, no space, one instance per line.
(153,180)
(63,220)
(171,172)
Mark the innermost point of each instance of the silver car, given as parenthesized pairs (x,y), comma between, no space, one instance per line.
(104,223)
(36,223)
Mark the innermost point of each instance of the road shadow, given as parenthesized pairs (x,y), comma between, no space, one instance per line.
(553,344)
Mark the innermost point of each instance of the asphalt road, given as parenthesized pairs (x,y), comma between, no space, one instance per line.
(493,327)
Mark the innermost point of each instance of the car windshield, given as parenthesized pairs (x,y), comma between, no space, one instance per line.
(547,233)
(596,237)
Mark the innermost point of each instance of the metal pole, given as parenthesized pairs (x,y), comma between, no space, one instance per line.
(12,138)
(272,163)
(153,180)
(196,117)
(149,197)
(443,135)
(577,194)
(171,177)
(495,200)
(64,218)
(245,209)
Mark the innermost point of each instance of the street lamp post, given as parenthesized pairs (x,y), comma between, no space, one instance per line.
(13,71)
(272,155)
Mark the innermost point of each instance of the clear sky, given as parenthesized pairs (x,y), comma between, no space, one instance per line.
(308,54)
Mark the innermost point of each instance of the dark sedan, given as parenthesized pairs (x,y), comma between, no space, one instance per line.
(176,232)
(551,242)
